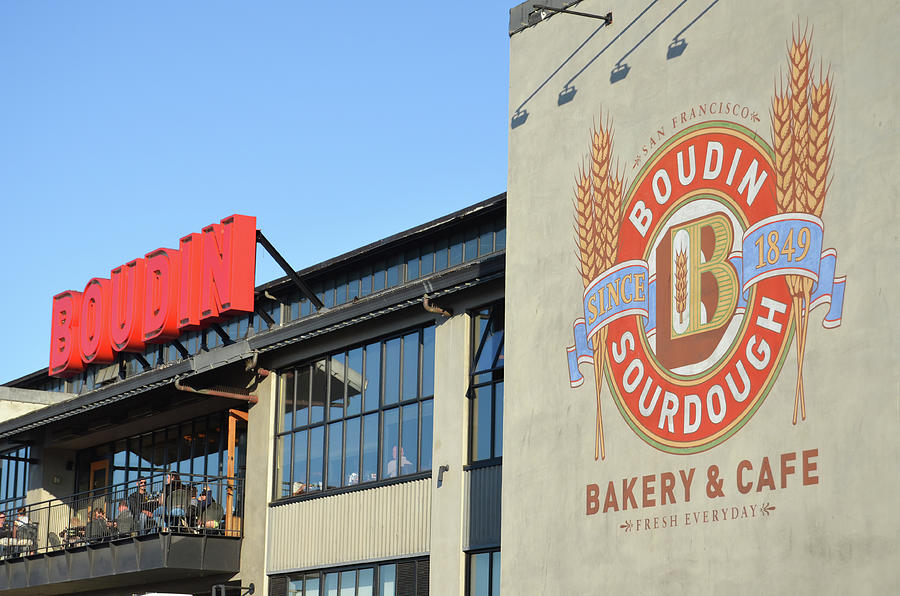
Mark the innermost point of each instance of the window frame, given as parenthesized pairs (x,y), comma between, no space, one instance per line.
(363,413)
(403,582)
(491,552)
(496,377)
(15,470)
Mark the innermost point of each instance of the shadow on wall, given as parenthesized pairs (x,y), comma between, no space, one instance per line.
(569,90)
(521,113)
(621,69)
(607,46)
(679,45)
(675,49)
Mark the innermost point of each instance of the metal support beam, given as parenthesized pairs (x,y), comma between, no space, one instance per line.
(304,289)
(221,333)
(270,322)
(181,349)
(143,361)
(607,17)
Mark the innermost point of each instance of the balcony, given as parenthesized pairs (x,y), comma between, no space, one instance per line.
(118,536)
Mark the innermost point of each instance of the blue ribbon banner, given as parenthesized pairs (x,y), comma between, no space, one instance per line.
(785,244)
(621,291)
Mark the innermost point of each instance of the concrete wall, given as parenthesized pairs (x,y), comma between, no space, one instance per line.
(450,424)
(836,532)
(258,487)
(15,402)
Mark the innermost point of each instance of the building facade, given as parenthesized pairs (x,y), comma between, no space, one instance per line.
(703,390)
(705,189)
(302,449)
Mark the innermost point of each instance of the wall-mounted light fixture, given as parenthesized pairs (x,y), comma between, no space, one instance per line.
(441,470)
(540,11)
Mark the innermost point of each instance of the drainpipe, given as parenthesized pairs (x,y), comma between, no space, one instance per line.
(251,399)
(251,365)
(426,302)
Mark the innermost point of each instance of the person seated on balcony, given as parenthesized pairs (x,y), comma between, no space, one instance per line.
(21,522)
(124,520)
(168,509)
(23,529)
(98,527)
(74,534)
(206,510)
(140,503)
(297,489)
(5,529)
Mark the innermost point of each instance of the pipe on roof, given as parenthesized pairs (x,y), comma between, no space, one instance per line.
(426,302)
(249,398)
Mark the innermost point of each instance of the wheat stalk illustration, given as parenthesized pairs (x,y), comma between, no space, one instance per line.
(681,284)
(802,121)
(598,202)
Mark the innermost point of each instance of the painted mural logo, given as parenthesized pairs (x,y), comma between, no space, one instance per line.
(699,277)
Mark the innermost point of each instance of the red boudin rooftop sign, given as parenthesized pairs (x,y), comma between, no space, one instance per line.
(155,298)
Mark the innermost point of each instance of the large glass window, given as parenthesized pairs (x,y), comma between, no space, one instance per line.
(356,416)
(194,448)
(14,477)
(484,574)
(486,385)
(377,579)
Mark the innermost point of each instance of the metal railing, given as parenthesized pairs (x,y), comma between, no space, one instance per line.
(169,503)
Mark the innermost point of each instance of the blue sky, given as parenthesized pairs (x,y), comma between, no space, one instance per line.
(126,125)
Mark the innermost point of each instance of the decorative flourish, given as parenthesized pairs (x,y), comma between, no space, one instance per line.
(681,284)
(627,525)
(598,206)
(802,124)
(766,508)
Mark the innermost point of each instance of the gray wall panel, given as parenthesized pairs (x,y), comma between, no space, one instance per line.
(377,523)
(483,488)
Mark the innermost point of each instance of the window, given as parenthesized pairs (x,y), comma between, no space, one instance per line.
(388,579)
(356,416)
(194,448)
(486,385)
(483,570)
(14,477)
(408,263)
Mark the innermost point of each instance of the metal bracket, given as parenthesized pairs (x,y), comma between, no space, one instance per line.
(304,289)
(220,589)
(607,17)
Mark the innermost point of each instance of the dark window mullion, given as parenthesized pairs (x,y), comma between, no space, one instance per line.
(343,426)
(345,382)
(382,384)
(421,415)
(191,470)
(490,569)
(495,361)
(293,397)
(482,337)
(472,410)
